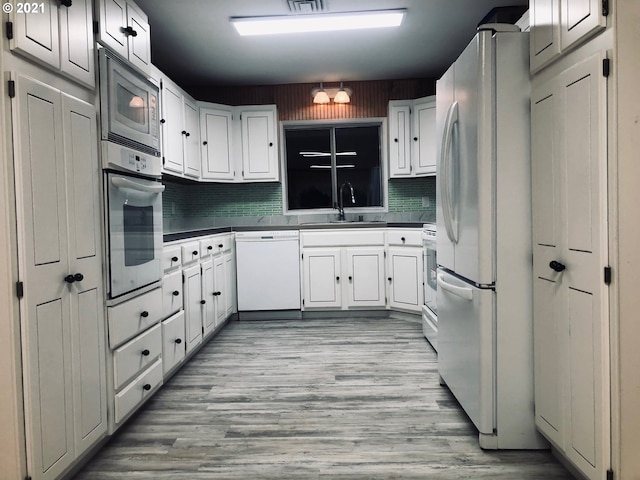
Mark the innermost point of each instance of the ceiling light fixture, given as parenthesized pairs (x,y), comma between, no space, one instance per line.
(324,95)
(318,23)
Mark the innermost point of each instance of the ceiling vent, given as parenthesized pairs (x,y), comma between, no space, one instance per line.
(306,6)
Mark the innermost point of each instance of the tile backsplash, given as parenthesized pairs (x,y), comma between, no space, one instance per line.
(197,205)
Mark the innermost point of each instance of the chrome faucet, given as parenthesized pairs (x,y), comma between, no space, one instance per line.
(341,200)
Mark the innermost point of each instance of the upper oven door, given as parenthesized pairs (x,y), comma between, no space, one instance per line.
(135,232)
(129,106)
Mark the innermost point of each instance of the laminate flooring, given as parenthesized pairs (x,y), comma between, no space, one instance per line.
(342,398)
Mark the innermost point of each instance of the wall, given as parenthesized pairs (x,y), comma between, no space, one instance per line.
(198,205)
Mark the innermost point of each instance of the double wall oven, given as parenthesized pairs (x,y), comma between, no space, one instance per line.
(132,172)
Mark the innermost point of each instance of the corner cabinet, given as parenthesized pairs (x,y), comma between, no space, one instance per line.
(557,26)
(412,137)
(124,28)
(61,312)
(57,34)
(216,137)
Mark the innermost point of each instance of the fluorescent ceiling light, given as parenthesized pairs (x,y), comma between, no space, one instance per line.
(327,154)
(318,23)
(329,166)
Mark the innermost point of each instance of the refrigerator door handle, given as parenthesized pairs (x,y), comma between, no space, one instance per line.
(462,292)
(445,180)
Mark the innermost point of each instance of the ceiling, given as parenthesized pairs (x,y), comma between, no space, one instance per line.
(194,44)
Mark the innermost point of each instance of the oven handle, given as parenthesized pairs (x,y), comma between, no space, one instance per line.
(121,182)
(462,292)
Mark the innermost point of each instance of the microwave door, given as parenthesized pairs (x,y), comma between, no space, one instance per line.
(129,108)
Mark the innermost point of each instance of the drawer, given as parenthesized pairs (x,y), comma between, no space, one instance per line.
(190,252)
(173,344)
(171,293)
(134,316)
(224,242)
(135,355)
(207,247)
(339,238)
(409,238)
(138,390)
(171,257)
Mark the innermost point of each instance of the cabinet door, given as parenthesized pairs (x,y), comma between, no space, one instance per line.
(215,135)
(45,319)
(544,40)
(172,342)
(259,145)
(322,277)
(399,140)
(570,298)
(365,277)
(423,141)
(192,306)
(172,123)
(230,283)
(139,44)
(405,278)
(86,301)
(580,19)
(76,42)
(191,139)
(208,297)
(113,21)
(35,33)
(171,293)
(221,293)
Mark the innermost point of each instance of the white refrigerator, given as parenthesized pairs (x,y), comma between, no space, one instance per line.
(485,329)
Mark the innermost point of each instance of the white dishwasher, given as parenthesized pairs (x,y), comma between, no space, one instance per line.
(268,271)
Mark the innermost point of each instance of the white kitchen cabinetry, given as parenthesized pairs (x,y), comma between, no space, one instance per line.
(259,137)
(180,131)
(173,345)
(192,288)
(57,34)
(560,25)
(570,252)
(412,141)
(61,311)
(343,270)
(216,129)
(404,270)
(124,28)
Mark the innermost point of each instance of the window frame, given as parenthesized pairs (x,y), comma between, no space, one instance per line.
(302,124)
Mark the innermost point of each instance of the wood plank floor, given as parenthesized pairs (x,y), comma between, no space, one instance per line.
(310,399)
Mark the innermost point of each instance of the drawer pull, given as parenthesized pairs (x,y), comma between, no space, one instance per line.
(174,259)
(145,352)
(144,314)
(215,294)
(202,302)
(403,239)
(210,247)
(178,341)
(389,278)
(195,252)
(175,293)
(146,386)
(220,245)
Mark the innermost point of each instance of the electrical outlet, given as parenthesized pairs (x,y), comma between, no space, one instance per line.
(425,202)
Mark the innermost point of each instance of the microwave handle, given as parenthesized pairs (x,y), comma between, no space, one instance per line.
(121,182)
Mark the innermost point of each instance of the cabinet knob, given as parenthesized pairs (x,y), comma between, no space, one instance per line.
(205,142)
(350,278)
(195,252)
(178,341)
(66,3)
(389,278)
(215,294)
(174,259)
(162,120)
(395,140)
(202,302)
(220,245)
(129,31)
(187,134)
(337,279)
(557,266)
(175,293)
(403,239)
(415,139)
(271,144)
(145,352)
(146,387)
(184,132)
(210,247)
(144,314)
(78,277)
(69,278)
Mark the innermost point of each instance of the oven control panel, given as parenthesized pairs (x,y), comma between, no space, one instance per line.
(119,157)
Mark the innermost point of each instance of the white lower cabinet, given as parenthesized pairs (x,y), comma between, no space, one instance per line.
(137,391)
(322,276)
(173,351)
(135,355)
(405,280)
(192,306)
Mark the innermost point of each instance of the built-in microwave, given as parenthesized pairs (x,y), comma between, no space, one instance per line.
(129,108)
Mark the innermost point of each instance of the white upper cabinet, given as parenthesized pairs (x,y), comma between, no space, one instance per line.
(259,143)
(57,34)
(191,137)
(559,25)
(216,143)
(124,29)
(412,139)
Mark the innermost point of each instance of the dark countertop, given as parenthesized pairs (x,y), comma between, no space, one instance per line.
(171,237)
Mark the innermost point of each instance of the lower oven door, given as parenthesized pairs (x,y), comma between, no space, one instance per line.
(135,232)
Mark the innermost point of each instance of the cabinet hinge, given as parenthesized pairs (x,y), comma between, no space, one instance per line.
(9,29)
(11,88)
(20,289)
(606,67)
(96,27)
(605,8)
(163,161)
(385,254)
(183,278)
(609,474)
(27,477)
(161,84)
(607,275)
(303,302)
(302,256)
